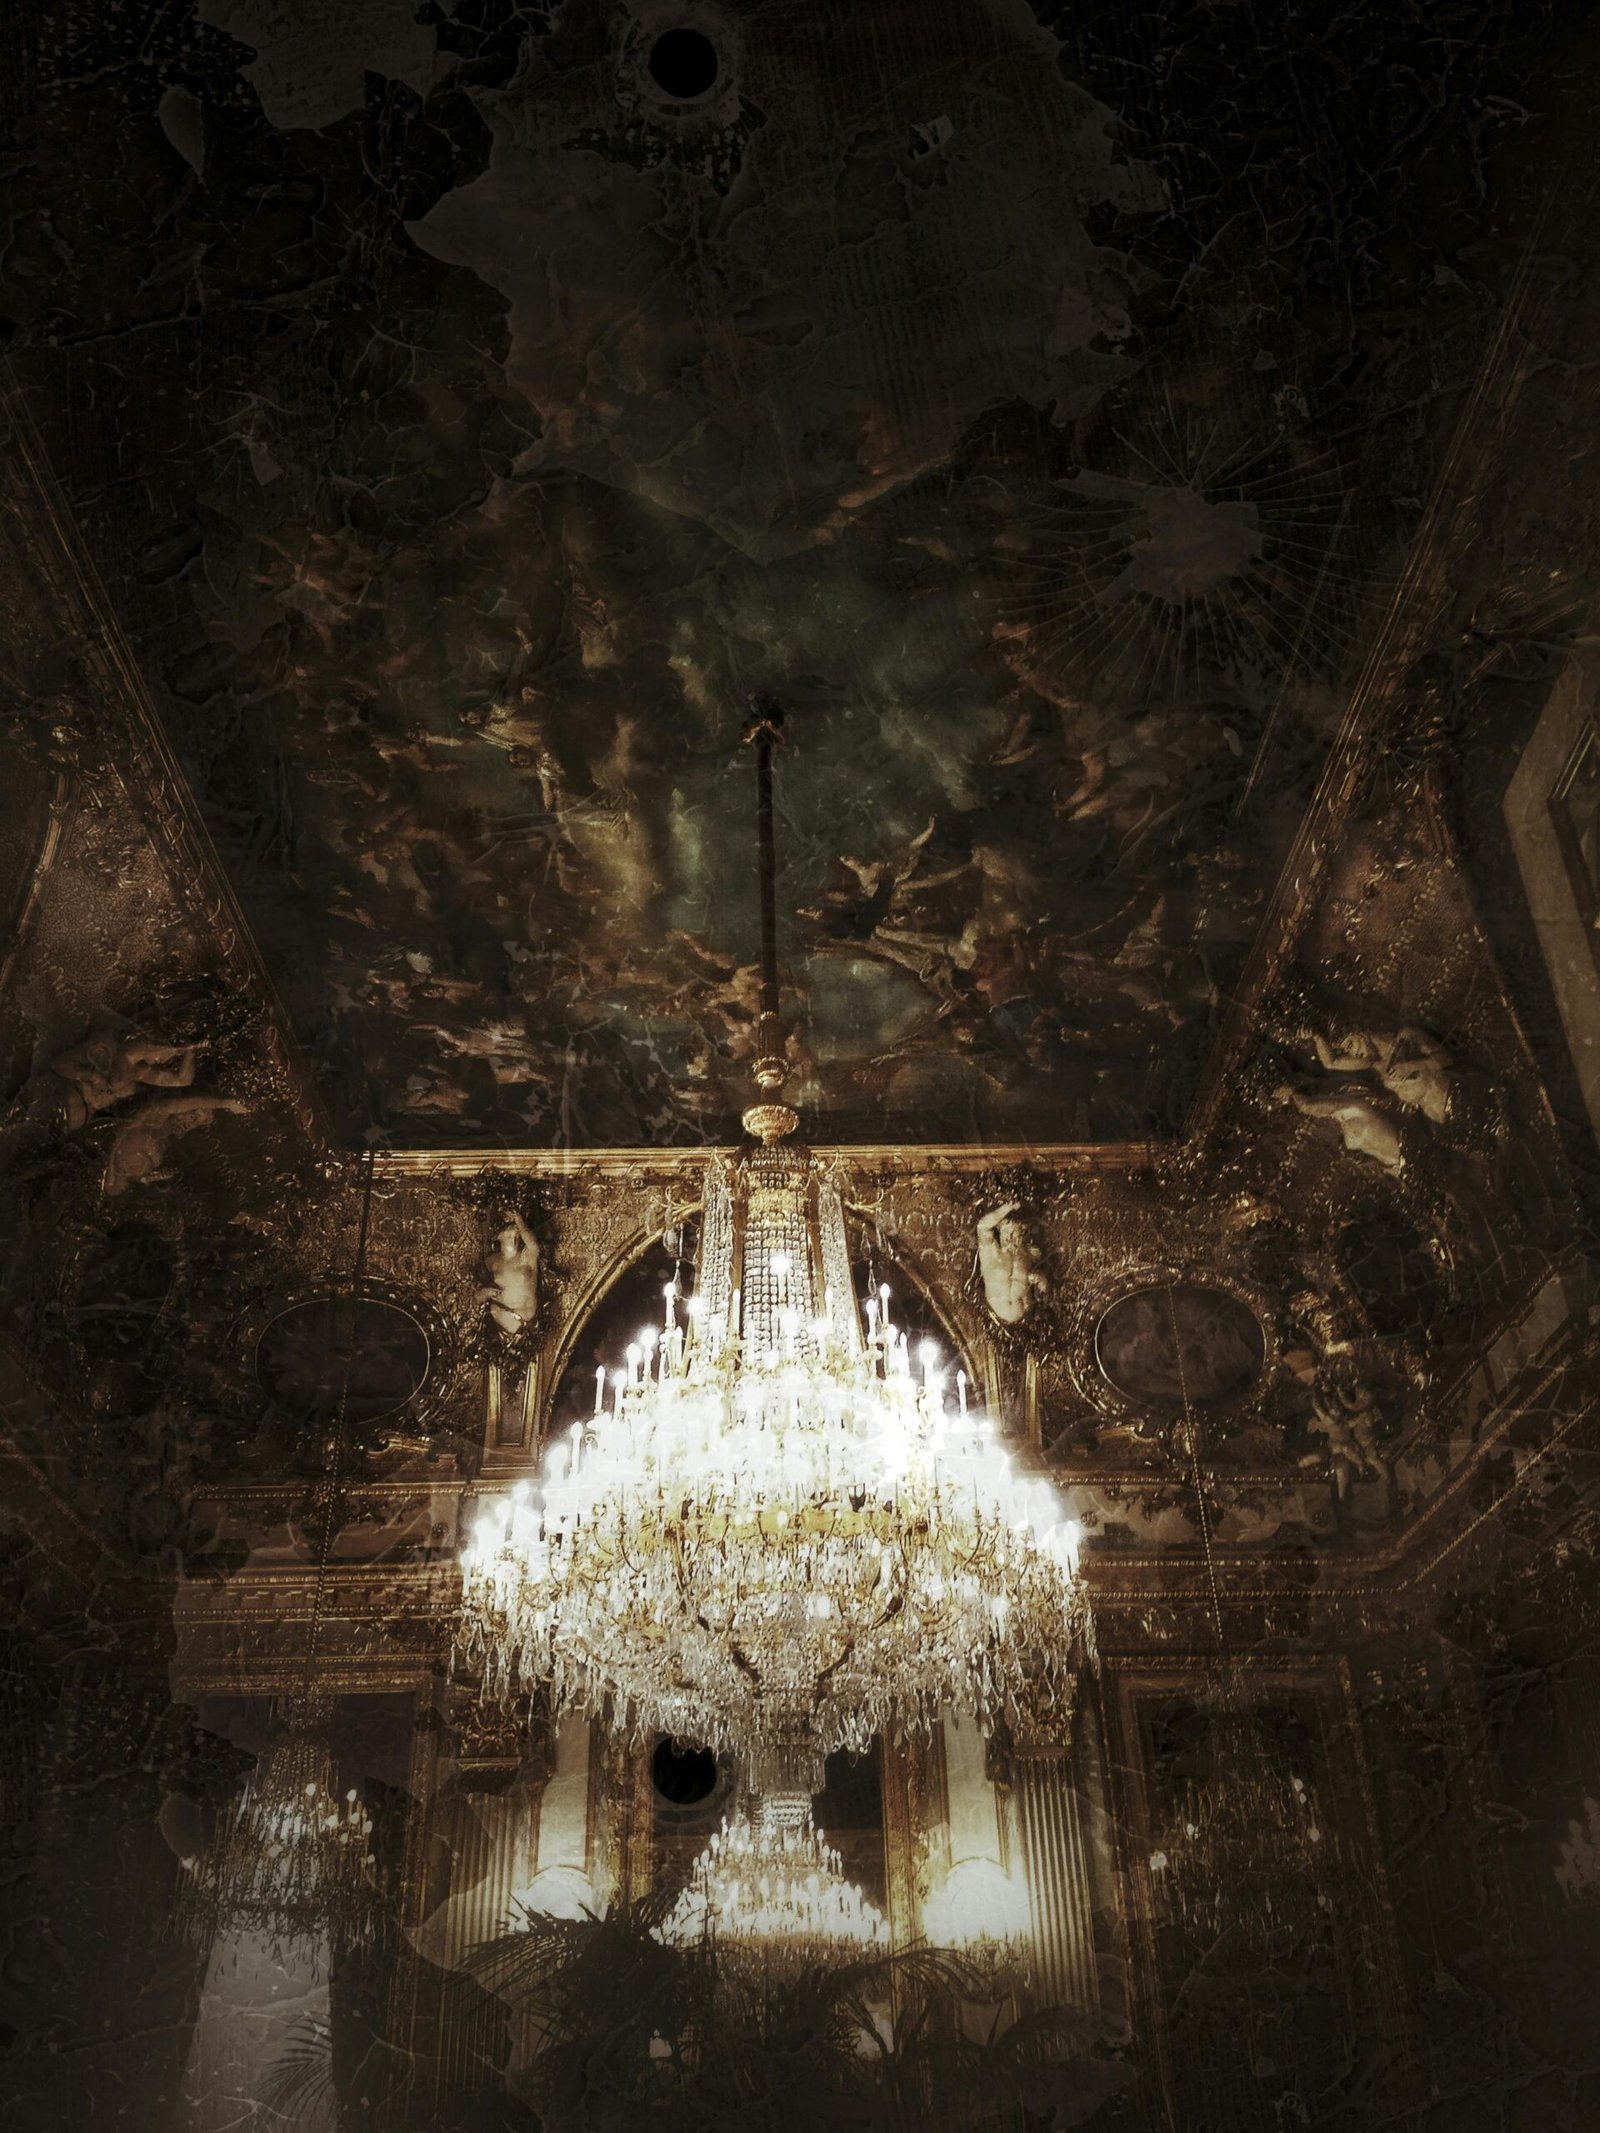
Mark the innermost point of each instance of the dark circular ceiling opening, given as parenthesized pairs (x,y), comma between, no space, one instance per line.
(305,1355)
(684,63)
(684,1776)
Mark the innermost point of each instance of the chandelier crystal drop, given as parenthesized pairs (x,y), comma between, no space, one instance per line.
(768,1894)
(291,1863)
(781,1531)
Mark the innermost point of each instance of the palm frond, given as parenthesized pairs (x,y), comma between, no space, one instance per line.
(298,2087)
(640,2034)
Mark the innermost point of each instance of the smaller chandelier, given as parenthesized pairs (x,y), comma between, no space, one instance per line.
(292,1862)
(770,1898)
(980,1913)
(1244,1850)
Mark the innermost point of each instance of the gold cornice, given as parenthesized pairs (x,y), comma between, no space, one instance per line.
(958,1157)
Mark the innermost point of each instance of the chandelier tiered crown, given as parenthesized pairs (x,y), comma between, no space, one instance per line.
(771,1897)
(782,1531)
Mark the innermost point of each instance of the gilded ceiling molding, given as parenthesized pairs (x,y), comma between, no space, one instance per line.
(52,812)
(1559,753)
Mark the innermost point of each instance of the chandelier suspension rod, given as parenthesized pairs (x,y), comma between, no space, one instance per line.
(765,732)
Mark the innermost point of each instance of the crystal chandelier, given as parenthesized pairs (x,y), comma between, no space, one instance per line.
(767,1895)
(1242,1849)
(780,1532)
(293,1861)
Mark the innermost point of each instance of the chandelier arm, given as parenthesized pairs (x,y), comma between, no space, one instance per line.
(882,1621)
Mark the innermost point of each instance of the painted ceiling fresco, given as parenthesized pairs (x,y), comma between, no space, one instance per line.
(477,407)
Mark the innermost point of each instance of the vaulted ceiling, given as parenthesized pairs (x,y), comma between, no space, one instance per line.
(1045,412)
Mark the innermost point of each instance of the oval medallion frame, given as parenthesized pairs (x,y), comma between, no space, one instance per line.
(1151,1413)
(416,1410)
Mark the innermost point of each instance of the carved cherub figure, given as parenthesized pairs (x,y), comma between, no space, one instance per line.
(1414,1066)
(115,1072)
(1414,1070)
(511,1291)
(1008,1261)
(1345,1410)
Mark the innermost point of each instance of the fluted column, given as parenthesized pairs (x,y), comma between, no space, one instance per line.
(491,1846)
(499,1843)
(1055,1865)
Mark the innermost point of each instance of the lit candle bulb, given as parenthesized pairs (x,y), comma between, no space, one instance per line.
(600,1389)
(961,1389)
(668,1297)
